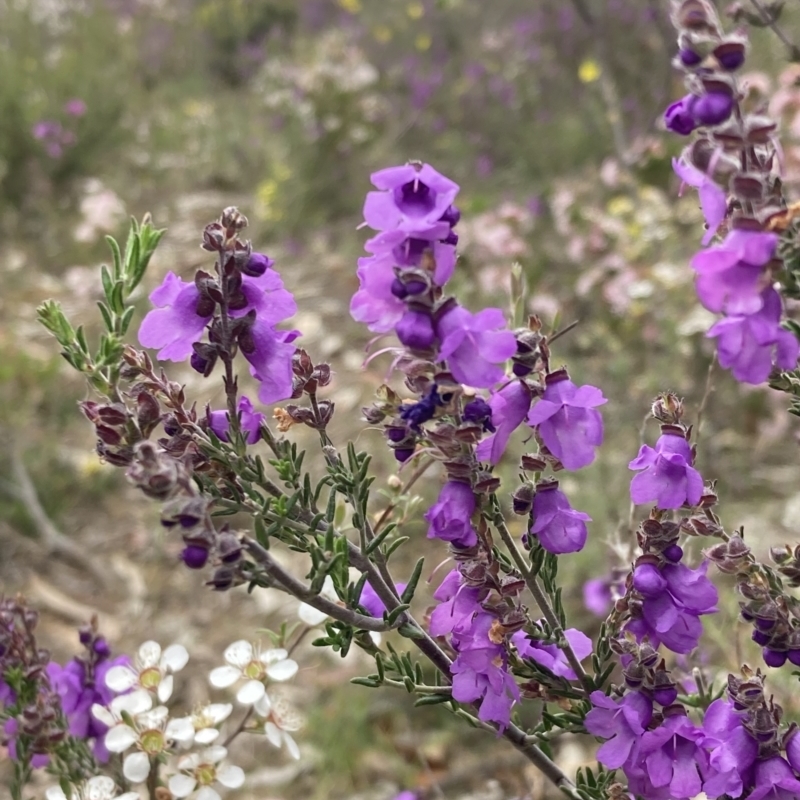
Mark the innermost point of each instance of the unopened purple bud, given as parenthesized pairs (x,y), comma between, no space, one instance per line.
(521,370)
(678,117)
(794,657)
(194,557)
(712,108)
(689,58)
(760,638)
(731,61)
(673,553)
(199,364)
(85,636)
(415,330)
(764,624)
(402,454)
(416,287)
(102,648)
(257,265)
(451,238)
(398,289)
(451,216)
(774,658)
(665,696)
(396,434)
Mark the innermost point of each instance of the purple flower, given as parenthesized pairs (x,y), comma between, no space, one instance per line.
(411,198)
(509,407)
(713,198)
(458,604)
(712,108)
(552,656)
(10,729)
(751,345)
(668,480)
(597,596)
(732,750)
(622,723)
(568,423)
(270,354)
(731,277)
(450,517)
(407,251)
(374,304)
(415,329)
(792,745)
(250,421)
(559,528)
(473,345)
(75,107)
(372,603)
(774,780)
(678,117)
(672,757)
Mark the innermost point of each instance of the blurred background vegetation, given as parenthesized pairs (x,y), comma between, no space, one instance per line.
(549,121)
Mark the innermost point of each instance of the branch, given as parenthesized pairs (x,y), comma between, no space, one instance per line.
(771,21)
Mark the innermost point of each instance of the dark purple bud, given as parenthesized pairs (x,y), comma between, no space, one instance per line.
(689,58)
(171,425)
(522,499)
(794,657)
(229,548)
(416,287)
(451,238)
(451,216)
(102,648)
(673,553)
(765,624)
(679,118)
(398,289)
(521,370)
(666,695)
(257,265)
(730,55)
(415,330)
(479,412)
(760,638)
(402,454)
(712,108)
(85,636)
(396,434)
(194,557)
(774,658)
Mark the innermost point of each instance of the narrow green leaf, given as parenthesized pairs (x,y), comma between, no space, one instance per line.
(408,592)
(432,700)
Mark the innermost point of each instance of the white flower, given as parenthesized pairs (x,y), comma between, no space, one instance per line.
(255,668)
(312,616)
(281,717)
(205,720)
(132,720)
(98,788)
(152,670)
(202,770)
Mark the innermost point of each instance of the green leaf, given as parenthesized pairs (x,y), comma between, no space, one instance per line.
(392,616)
(370,683)
(398,542)
(432,700)
(106,315)
(117,256)
(410,631)
(408,592)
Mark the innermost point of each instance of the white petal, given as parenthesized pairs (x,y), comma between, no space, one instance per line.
(239,654)
(175,658)
(273,656)
(104,715)
(219,711)
(222,677)
(120,738)
(231,777)
(213,755)
(135,703)
(250,693)
(207,793)
(190,762)
(149,654)
(121,678)
(182,785)
(136,767)
(273,733)
(376,638)
(310,615)
(263,706)
(328,591)
(291,746)
(165,689)
(129,796)
(180,729)
(206,735)
(282,670)
(55,793)
(154,718)
(101,787)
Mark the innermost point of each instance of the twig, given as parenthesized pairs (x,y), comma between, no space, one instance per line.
(770,20)
(707,392)
(418,473)
(240,727)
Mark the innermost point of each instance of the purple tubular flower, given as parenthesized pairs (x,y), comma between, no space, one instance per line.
(374,304)
(774,780)
(567,420)
(509,407)
(712,108)
(559,528)
(622,723)
(178,320)
(668,479)
(458,605)
(750,345)
(597,596)
(411,198)
(731,277)
(473,346)
(552,656)
(372,603)
(678,117)
(450,517)
(407,251)
(713,198)
(250,421)
(479,412)
(270,353)
(415,329)
(732,750)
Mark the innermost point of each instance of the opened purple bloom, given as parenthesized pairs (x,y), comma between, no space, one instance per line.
(568,423)
(750,345)
(732,750)
(407,251)
(774,780)
(372,603)
(411,198)
(473,345)
(559,528)
(250,421)
(622,723)
(713,198)
(731,277)
(450,517)
(679,118)
(669,480)
(374,304)
(551,655)
(509,407)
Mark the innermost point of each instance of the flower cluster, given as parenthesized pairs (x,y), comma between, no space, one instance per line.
(733,148)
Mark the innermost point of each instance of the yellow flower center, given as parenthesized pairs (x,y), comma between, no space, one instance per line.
(150,678)
(205,774)
(254,670)
(152,742)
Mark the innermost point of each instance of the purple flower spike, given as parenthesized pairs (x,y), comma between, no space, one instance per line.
(411,198)
(559,528)
(621,723)
(551,655)
(567,420)
(178,320)
(750,345)
(678,117)
(731,277)
(450,517)
(713,198)
(250,421)
(509,407)
(668,480)
(473,346)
